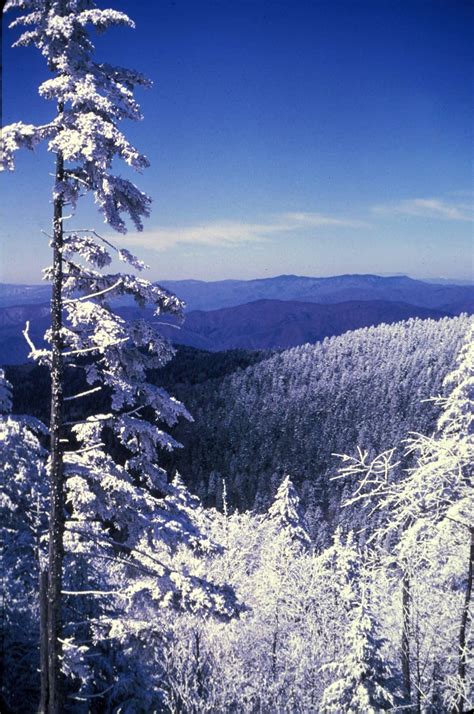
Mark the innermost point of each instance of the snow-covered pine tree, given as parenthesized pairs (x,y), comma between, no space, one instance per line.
(427,532)
(285,515)
(363,684)
(23,506)
(439,536)
(283,539)
(111,504)
(90,99)
(139,582)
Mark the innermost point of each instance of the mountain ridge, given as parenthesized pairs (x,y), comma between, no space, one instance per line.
(258,325)
(212,295)
(280,324)
(200,295)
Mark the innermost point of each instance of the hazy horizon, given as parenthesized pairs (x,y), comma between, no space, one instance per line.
(441,279)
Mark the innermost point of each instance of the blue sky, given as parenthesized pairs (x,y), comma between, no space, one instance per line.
(311,137)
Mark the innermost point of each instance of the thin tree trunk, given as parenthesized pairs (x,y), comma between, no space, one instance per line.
(43,587)
(406,614)
(459,706)
(275,647)
(418,668)
(56,513)
(197,658)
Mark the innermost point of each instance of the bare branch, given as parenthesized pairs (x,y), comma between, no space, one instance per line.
(85,698)
(27,336)
(84,350)
(105,417)
(92,447)
(94,295)
(82,394)
(92,592)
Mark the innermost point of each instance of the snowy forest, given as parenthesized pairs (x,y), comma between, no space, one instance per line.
(293,535)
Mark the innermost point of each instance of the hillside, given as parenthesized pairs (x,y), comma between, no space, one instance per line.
(278,324)
(269,313)
(12,294)
(259,416)
(292,412)
(263,324)
(188,368)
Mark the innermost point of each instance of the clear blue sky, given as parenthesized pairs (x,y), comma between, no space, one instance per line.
(311,137)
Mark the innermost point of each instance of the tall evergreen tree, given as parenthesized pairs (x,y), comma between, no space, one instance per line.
(363,679)
(23,505)
(91,99)
(285,515)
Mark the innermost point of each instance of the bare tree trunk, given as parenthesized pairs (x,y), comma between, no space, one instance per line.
(43,586)
(56,512)
(418,668)
(275,646)
(406,613)
(197,658)
(459,706)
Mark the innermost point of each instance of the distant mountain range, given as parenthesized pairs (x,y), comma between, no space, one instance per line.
(13,346)
(259,325)
(201,295)
(12,295)
(270,313)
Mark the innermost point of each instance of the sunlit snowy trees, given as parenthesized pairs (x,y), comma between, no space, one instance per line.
(425,528)
(324,629)
(150,602)
(318,629)
(101,507)
(292,411)
(23,506)
(363,680)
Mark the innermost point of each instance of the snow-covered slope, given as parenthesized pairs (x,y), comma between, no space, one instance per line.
(290,413)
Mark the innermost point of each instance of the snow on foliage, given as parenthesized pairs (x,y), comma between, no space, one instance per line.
(363,678)
(5,394)
(152,582)
(426,532)
(319,630)
(322,631)
(23,505)
(123,521)
(285,514)
(291,412)
(92,98)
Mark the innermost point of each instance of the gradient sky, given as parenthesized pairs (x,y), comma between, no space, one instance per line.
(311,137)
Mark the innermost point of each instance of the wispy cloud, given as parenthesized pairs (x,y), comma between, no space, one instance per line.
(429,208)
(300,219)
(234,233)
